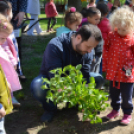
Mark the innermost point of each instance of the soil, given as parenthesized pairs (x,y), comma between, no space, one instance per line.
(26,120)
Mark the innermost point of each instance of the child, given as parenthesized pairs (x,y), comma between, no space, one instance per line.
(72,21)
(94,16)
(117,3)
(118,63)
(109,4)
(6,10)
(51,13)
(84,16)
(91,4)
(104,23)
(5,100)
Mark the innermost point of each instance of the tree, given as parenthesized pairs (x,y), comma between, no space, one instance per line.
(75,3)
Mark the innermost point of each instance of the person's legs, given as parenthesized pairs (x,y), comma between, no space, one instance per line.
(115,95)
(127,105)
(48,24)
(99,80)
(40,95)
(19,46)
(2,128)
(35,18)
(126,94)
(54,22)
(37,25)
(19,70)
(115,101)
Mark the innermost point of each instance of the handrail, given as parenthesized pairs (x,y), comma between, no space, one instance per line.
(33,24)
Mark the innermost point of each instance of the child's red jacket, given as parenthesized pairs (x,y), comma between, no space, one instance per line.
(118,53)
(104,27)
(50,10)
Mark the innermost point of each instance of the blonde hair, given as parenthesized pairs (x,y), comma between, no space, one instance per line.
(5,25)
(123,17)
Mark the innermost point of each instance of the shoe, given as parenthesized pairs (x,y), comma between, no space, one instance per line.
(51,29)
(22,77)
(126,119)
(47,116)
(15,102)
(48,31)
(113,114)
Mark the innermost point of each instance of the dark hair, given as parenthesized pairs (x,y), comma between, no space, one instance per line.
(84,12)
(91,11)
(91,1)
(4,5)
(103,8)
(117,3)
(89,30)
(72,17)
(113,9)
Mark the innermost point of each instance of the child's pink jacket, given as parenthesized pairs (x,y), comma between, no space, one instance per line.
(11,52)
(104,27)
(50,10)
(8,68)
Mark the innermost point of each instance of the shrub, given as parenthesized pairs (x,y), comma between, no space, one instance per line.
(68,85)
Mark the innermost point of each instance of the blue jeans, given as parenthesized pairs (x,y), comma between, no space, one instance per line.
(40,94)
(122,97)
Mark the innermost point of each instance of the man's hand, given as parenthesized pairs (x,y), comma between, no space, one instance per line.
(2,112)
(19,17)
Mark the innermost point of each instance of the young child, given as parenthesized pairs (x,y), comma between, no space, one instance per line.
(104,23)
(94,16)
(5,100)
(72,21)
(51,13)
(84,16)
(6,10)
(91,3)
(118,63)
(117,3)
(109,4)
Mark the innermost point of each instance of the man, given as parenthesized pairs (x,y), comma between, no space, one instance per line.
(72,48)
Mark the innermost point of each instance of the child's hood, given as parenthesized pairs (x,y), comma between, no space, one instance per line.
(61,30)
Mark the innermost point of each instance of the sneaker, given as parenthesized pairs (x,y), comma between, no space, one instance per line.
(113,114)
(22,77)
(47,116)
(15,102)
(126,119)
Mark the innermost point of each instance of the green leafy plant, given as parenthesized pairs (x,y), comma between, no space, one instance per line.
(68,85)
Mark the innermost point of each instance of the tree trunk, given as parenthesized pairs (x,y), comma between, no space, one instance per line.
(75,3)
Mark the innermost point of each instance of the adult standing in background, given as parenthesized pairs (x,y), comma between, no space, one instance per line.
(33,7)
(19,9)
